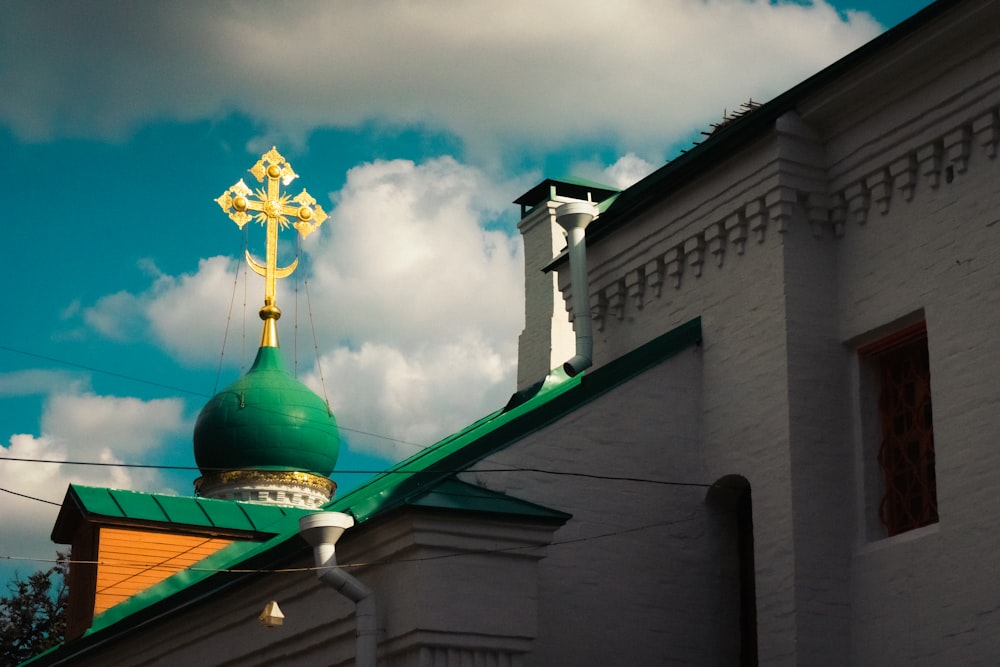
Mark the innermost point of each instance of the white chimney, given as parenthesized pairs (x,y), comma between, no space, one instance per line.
(548,339)
(574,218)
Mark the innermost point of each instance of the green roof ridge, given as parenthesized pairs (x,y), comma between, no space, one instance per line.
(454,494)
(585,182)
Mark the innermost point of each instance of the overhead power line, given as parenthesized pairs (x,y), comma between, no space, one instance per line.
(190,392)
(101,371)
(384,561)
(400,471)
(24,495)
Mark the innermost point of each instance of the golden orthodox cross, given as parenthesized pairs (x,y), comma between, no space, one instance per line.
(271,208)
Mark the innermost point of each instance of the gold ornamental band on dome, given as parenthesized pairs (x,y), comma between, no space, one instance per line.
(272,208)
(308,480)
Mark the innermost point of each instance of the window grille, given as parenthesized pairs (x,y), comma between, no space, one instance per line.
(906,449)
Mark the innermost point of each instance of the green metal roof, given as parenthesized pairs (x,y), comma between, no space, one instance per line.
(133,507)
(577,188)
(453,494)
(424,480)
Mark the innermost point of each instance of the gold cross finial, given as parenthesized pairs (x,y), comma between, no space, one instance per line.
(271,208)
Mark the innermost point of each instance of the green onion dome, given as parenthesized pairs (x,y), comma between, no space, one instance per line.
(266,420)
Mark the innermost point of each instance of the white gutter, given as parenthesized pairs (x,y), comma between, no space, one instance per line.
(574,218)
(321,531)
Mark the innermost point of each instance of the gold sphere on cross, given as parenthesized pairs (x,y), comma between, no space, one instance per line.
(269,311)
(272,208)
(273,171)
(240,203)
(305,213)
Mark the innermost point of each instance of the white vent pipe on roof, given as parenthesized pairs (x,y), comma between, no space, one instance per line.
(321,531)
(574,218)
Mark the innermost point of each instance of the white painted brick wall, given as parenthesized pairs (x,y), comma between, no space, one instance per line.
(634,553)
(932,600)
(876,228)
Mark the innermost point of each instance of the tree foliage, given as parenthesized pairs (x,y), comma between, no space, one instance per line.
(33,614)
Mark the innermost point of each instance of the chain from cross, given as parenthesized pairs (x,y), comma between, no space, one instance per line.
(271,208)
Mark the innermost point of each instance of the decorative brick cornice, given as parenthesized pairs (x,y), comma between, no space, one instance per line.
(818,212)
(897,181)
(929,158)
(781,203)
(858,201)
(756,216)
(635,285)
(957,144)
(715,238)
(694,251)
(838,214)
(674,261)
(614,296)
(936,161)
(880,188)
(986,129)
(903,173)
(736,230)
(655,273)
(598,309)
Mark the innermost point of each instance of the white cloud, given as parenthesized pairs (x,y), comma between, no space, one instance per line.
(186,314)
(629,169)
(413,397)
(527,72)
(116,316)
(626,170)
(408,268)
(416,302)
(79,427)
(34,381)
(407,259)
(88,423)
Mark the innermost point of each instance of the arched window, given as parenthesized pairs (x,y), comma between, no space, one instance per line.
(731,495)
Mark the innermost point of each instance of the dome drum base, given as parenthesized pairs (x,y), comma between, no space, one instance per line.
(270,487)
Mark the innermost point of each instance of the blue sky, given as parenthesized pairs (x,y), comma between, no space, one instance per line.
(414,124)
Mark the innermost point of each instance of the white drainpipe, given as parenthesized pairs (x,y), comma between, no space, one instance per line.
(574,218)
(321,531)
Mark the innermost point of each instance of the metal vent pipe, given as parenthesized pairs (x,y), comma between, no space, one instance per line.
(321,531)
(574,218)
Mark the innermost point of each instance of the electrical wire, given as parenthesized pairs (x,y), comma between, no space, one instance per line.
(92,369)
(147,567)
(24,495)
(229,319)
(132,378)
(342,427)
(295,322)
(402,471)
(384,561)
(319,365)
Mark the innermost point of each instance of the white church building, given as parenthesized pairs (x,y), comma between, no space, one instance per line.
(774,442)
